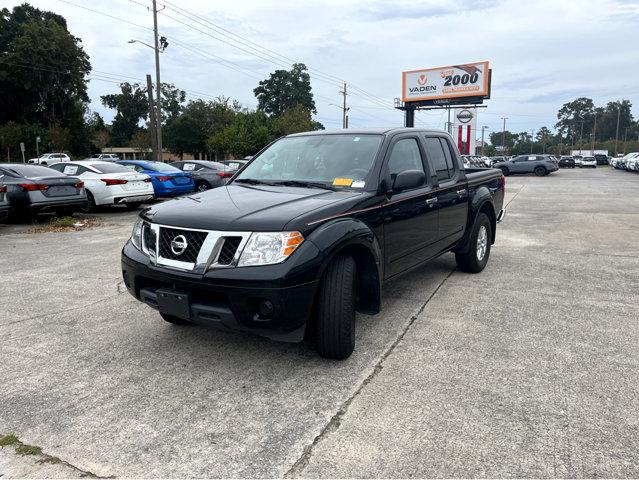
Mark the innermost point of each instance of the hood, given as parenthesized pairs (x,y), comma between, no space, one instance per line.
(245,207)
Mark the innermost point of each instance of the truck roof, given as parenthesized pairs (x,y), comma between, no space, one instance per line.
(369,131)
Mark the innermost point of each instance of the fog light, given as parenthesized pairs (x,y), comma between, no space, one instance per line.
(266,309)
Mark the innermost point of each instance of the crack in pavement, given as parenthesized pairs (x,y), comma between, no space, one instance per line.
(334,423)
(36,452)
(514,196)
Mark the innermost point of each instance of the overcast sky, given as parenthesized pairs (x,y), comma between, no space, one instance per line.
(543,53)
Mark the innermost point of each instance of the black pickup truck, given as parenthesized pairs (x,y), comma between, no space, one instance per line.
(304,235)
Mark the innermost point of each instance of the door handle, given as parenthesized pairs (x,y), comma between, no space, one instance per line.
(462,191)
(431,201)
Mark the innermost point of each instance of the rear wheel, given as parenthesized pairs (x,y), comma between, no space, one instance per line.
(476,258)
(202,187)
(89,206)
(505,171)
(335,310)
(540,171)
(174,320)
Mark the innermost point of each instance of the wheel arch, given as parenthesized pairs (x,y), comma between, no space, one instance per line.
(482,202)
(355,238)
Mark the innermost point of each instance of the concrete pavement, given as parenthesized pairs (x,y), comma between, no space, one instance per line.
(528,369)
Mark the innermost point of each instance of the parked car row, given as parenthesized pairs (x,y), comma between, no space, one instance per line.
(476,161)
(68,186)
(629,162)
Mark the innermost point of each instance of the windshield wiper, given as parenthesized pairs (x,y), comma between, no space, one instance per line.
(300,183)
(253,181)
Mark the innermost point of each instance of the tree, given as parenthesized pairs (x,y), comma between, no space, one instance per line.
(172,100)
(42,65)
(509,141)
(10,136)
(284,89)
(140,142)
(101,138)
(295,120)
(59,138)
(576,119)
(199,121)
(131,107)
(248,133)
(544,137)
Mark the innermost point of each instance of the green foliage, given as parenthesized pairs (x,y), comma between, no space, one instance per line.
(248,133)
(59,138)
(43,68)
(284,90)
(294,120)
(131,107)
(10,136)
(141,142)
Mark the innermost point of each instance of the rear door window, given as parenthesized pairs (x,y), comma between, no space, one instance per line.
(437,157)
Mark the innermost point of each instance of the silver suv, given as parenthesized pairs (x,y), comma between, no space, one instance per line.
(540,165)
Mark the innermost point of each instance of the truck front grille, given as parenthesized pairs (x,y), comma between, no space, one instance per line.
(228,250)
(194,241)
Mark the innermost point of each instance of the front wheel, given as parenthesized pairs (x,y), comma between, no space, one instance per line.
(335,310)
(476,258)
(540,171)
(504,171)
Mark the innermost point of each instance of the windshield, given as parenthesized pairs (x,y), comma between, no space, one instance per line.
(340,160)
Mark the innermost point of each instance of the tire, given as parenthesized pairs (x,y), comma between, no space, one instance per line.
(90,205)
(472,261)
(335,310)
(174,320)
(133,206)
(505,171)
(202,187)
(540,171)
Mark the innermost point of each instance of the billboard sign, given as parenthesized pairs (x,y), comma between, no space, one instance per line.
(457,81)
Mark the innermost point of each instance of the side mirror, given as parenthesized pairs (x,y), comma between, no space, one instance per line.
(409,179)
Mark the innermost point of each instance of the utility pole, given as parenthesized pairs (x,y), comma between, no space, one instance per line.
(152,120)
(532,140)
(594,136)
(158,94)
(503,136)
(581,132)
(617,132)
(448,124)
(344,108)
(482,139)
(625,139)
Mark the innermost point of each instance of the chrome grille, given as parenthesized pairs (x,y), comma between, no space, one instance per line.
(194,240)
(228,250)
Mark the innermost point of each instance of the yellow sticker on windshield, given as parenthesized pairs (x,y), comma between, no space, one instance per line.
(342,182)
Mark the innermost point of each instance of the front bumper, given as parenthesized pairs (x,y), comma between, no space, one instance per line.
(224,298)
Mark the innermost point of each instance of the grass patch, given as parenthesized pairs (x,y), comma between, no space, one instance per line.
(23,449)
(67,224)
(9,439)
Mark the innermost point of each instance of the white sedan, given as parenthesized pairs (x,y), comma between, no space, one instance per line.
(588,162)
(108,183)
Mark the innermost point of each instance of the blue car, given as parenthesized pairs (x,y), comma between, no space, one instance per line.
(167,181)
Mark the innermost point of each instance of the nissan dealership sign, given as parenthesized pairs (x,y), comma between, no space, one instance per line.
(457,81)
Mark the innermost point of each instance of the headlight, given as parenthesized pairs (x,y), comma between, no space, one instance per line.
(136,234)
(267,248)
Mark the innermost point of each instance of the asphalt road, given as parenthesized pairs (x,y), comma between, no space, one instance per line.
(530,368)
